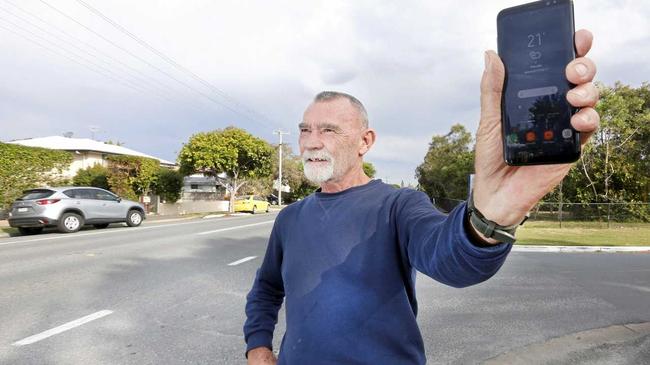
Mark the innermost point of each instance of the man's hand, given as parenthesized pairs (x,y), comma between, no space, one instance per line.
(261,356)
(503,193)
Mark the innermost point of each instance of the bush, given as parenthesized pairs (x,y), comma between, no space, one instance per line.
(168,185)
(96,176)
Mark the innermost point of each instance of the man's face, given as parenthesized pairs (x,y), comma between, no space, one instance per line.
(330,137)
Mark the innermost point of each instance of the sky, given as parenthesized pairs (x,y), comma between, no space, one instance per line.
(205,65)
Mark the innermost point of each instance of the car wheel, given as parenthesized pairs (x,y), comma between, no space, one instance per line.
(100,226)
(70,222)
(134,218)
(254,209)
(267,208)
(30,230)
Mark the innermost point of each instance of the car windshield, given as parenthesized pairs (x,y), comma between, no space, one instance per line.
(245,197)
(36,194)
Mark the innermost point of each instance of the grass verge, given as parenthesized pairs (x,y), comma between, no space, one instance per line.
(584,234)
(9,230)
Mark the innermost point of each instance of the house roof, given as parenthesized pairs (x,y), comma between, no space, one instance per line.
(83,144)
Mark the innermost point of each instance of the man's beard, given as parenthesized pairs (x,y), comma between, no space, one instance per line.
(318,172)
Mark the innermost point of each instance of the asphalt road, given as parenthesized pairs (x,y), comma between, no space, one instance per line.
(174,293)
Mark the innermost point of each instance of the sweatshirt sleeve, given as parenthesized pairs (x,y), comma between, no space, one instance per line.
(438,246)
(266,296)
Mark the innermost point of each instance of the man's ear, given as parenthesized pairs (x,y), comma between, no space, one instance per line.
(367,140)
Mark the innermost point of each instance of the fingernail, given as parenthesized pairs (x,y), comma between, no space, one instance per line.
(487,60)
(581,69)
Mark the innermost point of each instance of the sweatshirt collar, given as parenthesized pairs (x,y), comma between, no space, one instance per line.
(370,184)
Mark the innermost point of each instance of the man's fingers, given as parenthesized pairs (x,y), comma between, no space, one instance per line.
(491,89)
(583,39)
(586,122)
(583,95)
(580,71)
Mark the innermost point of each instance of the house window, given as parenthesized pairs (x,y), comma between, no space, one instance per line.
(194,186)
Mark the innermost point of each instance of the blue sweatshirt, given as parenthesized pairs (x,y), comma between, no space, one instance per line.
(346,261)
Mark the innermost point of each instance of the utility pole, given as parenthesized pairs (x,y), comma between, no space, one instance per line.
(280,133)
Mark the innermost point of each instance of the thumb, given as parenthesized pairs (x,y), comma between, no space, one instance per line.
(491,89)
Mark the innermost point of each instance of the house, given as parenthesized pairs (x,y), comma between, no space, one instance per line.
(199,193)
(86,152)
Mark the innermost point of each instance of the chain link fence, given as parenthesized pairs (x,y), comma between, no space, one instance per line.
(605,213)
(560,212)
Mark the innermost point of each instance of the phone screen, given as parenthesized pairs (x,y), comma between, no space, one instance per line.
(535,42)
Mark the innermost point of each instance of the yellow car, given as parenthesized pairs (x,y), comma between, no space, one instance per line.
(251,203)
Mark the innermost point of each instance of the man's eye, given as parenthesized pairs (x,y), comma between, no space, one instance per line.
(304,130)
(328,130)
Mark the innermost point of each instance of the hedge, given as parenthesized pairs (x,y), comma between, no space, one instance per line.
(23,168)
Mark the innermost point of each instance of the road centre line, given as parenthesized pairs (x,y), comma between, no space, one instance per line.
(62,328)
(236,227)
(110,231)
(242,260)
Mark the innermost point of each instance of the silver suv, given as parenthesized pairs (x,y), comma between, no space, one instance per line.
(69,208)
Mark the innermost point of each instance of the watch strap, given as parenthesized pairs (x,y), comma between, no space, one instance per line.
(488,228)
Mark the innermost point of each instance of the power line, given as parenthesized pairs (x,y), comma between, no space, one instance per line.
(68,57)
(144,80)
(126,66)
(169,59)
(73,45)
(150,64)
(68,51)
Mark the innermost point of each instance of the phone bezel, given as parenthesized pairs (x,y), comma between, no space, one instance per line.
(537,5)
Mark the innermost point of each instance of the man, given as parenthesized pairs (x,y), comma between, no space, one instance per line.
(345,257)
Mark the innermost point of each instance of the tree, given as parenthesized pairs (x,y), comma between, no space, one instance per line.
(96,175)
(369,169)
(168,185)
(232,155)
(447,165)
(292,175)
(614,166)
(299,184)
(131,176)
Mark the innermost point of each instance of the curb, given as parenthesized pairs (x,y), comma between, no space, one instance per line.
(562,349)
(580,249)
(210,216)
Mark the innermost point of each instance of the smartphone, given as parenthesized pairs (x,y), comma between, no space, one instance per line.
(535,43)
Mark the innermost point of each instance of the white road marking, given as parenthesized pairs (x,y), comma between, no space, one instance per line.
(62,328)
(111,231)
(235,227)
(242,260)
(630,286)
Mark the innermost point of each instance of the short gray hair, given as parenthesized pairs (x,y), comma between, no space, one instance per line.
(325,96)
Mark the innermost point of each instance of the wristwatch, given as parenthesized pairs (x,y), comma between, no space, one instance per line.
(489,228)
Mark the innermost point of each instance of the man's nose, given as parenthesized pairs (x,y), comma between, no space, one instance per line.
(312,141)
